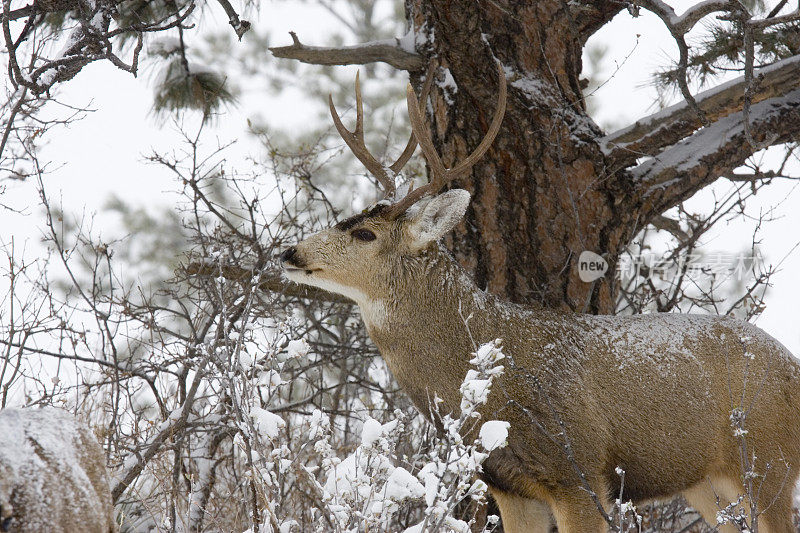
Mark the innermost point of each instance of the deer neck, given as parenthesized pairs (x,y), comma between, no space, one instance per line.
(422,289)
(425,324)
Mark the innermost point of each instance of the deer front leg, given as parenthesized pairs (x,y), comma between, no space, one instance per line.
(522,515)
(576,512)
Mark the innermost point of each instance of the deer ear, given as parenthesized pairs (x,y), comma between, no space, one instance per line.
(437,216)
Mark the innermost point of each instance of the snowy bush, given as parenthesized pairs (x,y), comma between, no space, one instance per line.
(366,490)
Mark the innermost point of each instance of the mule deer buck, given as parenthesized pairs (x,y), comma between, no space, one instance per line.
(652,395)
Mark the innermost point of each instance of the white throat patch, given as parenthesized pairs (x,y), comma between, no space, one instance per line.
(299,276)
(373,312)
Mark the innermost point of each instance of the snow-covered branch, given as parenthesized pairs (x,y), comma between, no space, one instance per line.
(366,488)
(134,464)
(648,135)
(680,25)
(684,23)
(682,169)
(398,52)
(88,41)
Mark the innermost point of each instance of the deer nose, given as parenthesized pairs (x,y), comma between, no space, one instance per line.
(287,254)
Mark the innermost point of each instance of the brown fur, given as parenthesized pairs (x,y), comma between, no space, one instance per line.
(651,394)
(52,474)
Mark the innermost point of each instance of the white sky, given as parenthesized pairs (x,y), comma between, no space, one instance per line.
(104,152)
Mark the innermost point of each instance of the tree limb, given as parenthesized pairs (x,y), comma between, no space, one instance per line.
(389,51)
(755,176)
(26,11)
(772,20)
(678,27)
(682,24)
(648,135)
(267,283)
(670,225)
(714,151)
(239,26)
(590,15)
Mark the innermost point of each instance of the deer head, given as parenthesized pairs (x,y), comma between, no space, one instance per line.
(361,256)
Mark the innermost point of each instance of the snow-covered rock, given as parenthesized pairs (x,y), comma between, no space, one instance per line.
(53,475)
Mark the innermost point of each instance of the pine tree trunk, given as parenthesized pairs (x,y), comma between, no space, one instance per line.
(542,194)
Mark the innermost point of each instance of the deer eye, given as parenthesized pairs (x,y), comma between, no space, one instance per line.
(363,235)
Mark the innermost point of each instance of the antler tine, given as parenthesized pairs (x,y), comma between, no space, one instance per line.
(359,132)
(494,127)
(398,165)
(355,141)
(422,134)
(440,175)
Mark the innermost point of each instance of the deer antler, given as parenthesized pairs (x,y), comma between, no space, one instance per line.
(355,139)
(440,175)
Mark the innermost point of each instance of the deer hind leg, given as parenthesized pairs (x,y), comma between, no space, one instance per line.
(522,515)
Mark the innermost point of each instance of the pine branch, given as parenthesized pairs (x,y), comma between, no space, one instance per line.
(388,51)
(679,171)
(680,25)
(773,20)
(267,282)
(648,135)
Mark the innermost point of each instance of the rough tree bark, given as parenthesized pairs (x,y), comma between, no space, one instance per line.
(541,194)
